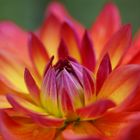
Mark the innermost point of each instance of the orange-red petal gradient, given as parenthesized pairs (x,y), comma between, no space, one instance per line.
(120,83)
(70,37)
(23,128)
(50,34)
(82,131)
(95,110)
(14,40)
(38,54)
(106,24)
(133,54)
(118,45)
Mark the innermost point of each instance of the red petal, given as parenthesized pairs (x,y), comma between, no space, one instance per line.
(133,53)
(130,132)
(106,24)
(62,50)
(95,109)
(71,39)
(38,54)
(66,104)
(87,52)
(103,71)
(31,85)
(118,45)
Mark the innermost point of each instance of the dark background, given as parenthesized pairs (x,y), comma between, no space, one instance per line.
(29,13)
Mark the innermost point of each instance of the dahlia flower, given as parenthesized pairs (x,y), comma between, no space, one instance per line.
(65,82)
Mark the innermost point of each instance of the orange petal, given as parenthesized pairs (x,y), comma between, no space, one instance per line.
(70,37)
(81,130)
(50,34)
(111,123)
(87,52)
(95,110)
(38,54)
(120,83)
(24,106)
(59,10)
(11,72)
(4,103)
(21,129)
(37,113)
(106,24)
(118,45)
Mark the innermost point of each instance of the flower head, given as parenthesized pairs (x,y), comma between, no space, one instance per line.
(76,83)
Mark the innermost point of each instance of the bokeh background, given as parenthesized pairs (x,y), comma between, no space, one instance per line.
(29,13)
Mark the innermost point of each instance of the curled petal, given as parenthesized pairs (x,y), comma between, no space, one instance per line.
(70,37)
(38,54)
(95,110)
(49,95)
(66,104)
(103,71)
(106,24)
(71,85)
(120,83)
(31,85)
(87,52)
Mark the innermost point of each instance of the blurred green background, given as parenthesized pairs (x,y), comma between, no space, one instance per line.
(29,13)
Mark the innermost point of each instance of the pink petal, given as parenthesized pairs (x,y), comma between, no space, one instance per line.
(49,95)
